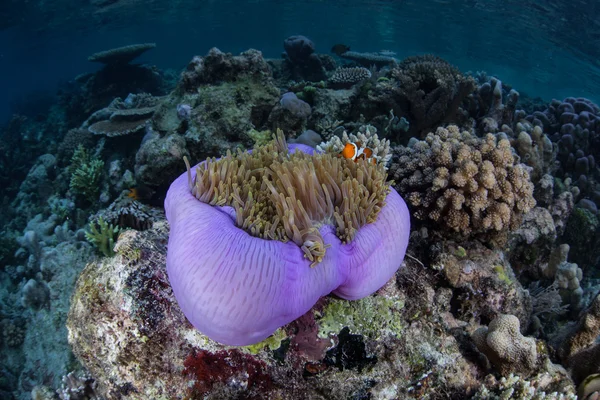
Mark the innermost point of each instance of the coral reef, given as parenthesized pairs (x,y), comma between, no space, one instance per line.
(71,141)
(210,369)
(260,238)
(127,212)
(103,236)
(80,386)
(582,233)
(91,92)
(418,346)
(430,90)
(35,294)
(301,62)
(492,105)
(86,173)
(484,283)
(159,159)
(541,386)
(574,125)
(217,66)
(579,342)
(299,108)
(534,148)
(123,117)
(228,95)
(298,48)
(290,115)
(344,78)
(503,344)
(463,184)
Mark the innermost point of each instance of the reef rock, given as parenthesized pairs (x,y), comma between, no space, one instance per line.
(406,341)
(225,96)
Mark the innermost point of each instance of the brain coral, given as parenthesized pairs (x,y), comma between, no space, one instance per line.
(246,230)
(506,348)
(463,183)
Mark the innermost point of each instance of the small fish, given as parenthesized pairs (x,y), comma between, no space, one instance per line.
(340,49)
(355,152)
(140,193)
(133,193)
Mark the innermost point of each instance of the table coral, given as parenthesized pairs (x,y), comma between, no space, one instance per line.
(246,229)
(121,55)
(463,184)
(123,117)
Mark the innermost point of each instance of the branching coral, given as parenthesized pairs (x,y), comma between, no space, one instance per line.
(86,174)
(239,259)
(534,148)
(462,183)
(103,236)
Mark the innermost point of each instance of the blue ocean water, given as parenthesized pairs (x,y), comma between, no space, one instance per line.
(546,49)
(88,151)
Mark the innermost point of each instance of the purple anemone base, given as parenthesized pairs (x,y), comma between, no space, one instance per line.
(238,289)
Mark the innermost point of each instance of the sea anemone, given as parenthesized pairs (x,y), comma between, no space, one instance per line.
(258,237)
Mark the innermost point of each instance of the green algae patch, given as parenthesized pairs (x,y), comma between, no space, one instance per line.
(373,316)
(460,252)
(260,138)
(502,275)
(273,342)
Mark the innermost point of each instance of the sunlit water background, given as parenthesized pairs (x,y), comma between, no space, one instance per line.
(543,48)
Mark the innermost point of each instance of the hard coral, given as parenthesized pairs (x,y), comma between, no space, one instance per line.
(534,148)
(462,183)
(126,212)
(505,347)
(431,89)
(103,236)
(218,67)
(343,78)
(237,258)
(298,48)
(86,175)
(123,117)
(492,105)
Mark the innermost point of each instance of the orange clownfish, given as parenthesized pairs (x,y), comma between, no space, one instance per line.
(354,151)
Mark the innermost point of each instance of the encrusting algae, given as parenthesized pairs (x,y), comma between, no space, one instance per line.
(283,195)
